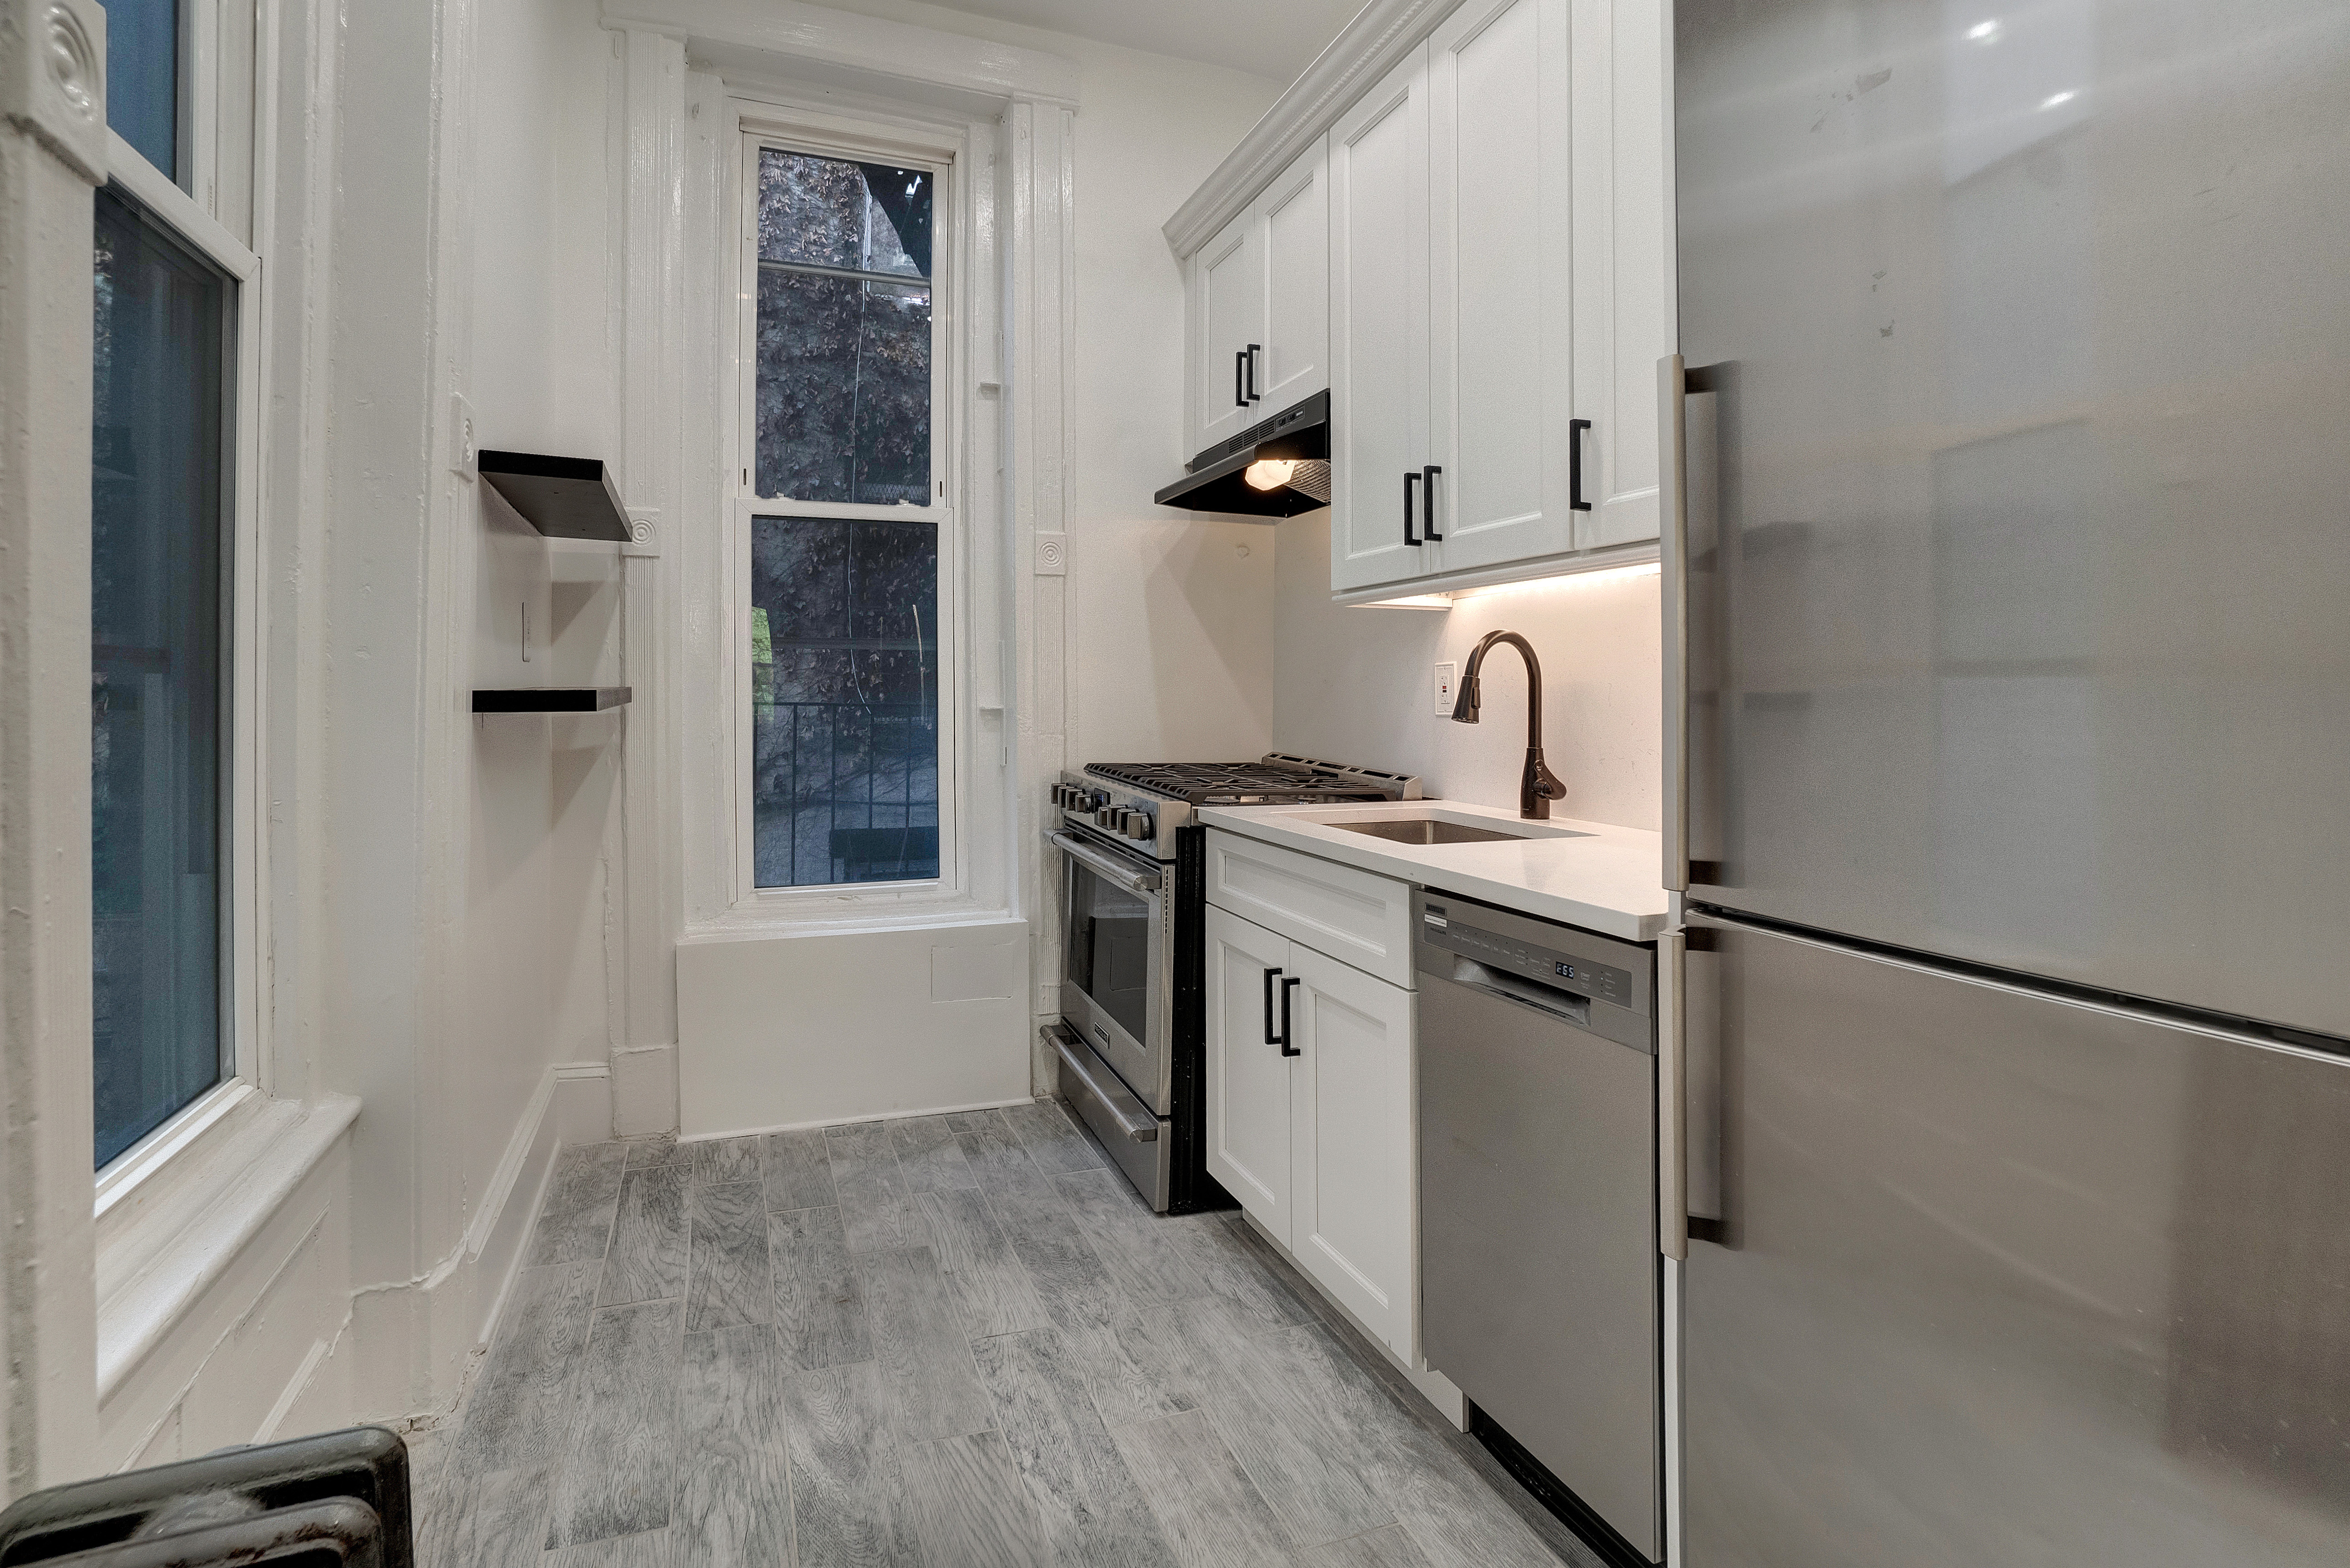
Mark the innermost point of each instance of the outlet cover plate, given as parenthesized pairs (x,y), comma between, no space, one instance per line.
(1448,678)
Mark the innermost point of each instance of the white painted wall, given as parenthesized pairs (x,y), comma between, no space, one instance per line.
(52,152)
(1357,684)
(1172,651)
(545,789)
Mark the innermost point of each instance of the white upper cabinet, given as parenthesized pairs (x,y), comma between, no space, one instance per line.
(1624,284)
(1497,290)
(1378,332)
(1227,320)
(1502,343)
(1295,234)
(1259,311)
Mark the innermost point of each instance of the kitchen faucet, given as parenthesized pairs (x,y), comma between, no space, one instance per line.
(1538,786)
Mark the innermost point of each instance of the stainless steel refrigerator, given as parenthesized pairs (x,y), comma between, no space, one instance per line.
(2008,643)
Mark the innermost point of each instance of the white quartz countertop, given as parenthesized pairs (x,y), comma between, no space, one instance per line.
(1588,874)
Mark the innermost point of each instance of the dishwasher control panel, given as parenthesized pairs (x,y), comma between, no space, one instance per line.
(1602,984)
(1458,929)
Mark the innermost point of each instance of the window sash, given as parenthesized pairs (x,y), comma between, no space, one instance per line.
(748,505)
(243,835)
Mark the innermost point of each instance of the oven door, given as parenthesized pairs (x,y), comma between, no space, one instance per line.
(1116,962)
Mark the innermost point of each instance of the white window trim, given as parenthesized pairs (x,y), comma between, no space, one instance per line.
(945,153)
(206,1119)
(1014,109)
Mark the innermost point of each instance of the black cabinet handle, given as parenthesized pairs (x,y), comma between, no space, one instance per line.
(1575,429)
(1254,349)
(1240,369)
(1270,1038)
(1408,481)
(1427,501)
(1286,1048)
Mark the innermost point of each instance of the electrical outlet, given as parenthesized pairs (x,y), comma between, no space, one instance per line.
(1448,674)
(462,449)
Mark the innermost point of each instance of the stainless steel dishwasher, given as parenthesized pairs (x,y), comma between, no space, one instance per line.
(1537,1202)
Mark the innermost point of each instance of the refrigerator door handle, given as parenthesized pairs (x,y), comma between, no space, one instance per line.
(1688,1092)
(1677,382)
(1672,1091)
(1672,432)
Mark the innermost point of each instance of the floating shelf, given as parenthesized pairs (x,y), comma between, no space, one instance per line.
(561,497)
(548,699)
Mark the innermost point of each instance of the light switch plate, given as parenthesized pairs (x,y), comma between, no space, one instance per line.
(1448,676)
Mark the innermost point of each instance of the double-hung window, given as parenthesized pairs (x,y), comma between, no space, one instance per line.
(163,629)
(847,750)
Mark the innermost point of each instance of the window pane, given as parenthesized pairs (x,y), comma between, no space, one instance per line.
(826,212)
(844,390)
(142,77)
(844,348)
(156,712)
(844,701)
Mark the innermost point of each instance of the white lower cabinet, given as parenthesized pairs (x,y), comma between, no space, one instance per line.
(1250,1084)
(1310,1115)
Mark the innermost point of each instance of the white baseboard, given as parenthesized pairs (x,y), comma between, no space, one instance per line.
(852,1121)
(419,1335)
(573,1106)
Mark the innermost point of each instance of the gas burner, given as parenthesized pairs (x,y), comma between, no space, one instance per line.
(1274,779)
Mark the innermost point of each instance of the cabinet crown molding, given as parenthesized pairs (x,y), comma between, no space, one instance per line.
(1382,33)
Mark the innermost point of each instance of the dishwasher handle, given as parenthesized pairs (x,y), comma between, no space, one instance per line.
(1561,1005)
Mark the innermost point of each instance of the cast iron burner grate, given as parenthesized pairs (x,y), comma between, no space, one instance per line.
(1273,779)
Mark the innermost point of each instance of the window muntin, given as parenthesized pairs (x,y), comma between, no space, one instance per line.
(142,79)
(844,343)
(160,428)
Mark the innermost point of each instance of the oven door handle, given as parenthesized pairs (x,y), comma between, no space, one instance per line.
(1104,866)
(1133,1116)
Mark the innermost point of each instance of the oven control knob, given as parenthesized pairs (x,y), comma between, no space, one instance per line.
(1140,825)
(1060,794)
(1101,816)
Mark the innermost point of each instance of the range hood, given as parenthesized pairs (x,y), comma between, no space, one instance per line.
(1217,480)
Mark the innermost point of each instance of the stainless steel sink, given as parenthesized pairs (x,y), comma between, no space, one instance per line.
(1422,830)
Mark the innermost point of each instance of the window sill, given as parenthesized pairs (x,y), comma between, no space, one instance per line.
(750,922)
(168,1233)
(212,1114)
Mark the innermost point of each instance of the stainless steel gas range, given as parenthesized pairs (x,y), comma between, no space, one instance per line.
(1133,903)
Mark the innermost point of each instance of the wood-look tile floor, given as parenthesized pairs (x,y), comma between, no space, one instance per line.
(945,1342)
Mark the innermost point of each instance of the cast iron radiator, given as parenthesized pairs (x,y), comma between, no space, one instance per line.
(338,1499)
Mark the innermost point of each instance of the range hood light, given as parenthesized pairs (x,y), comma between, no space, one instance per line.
(1276,468)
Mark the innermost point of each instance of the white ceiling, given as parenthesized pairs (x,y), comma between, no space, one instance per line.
(1276,38)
